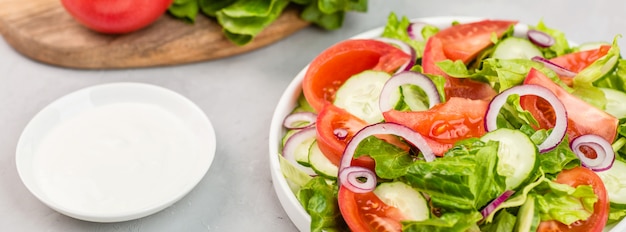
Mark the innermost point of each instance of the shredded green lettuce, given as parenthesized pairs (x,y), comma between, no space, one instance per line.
(319,199)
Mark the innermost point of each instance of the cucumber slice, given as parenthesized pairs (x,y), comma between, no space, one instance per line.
(516,48)
(615,102)
(527,216)
(409,201)
(320,164)
(302,150)
(615,182)
(360,94)
(517,155)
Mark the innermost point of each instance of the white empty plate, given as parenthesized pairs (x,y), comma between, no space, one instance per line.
(115,152)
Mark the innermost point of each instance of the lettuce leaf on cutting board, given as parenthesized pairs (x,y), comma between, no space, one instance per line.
(242,20)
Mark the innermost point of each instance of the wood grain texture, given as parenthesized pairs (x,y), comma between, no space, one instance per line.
(44,31)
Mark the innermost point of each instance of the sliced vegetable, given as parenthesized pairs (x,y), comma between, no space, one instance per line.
(517,156)
(540,38)
(391,88)
(561,71)
(596,222)
(415,30)
(331,68)
(357,179)
(495,203)
(299,120)
(376,129)
(446,123)
(360,95)
(515,48)
(615,183)
(296,149)
(320,164)
(560,127)
(582,117)
(604,154)
(406,48)
(409,201)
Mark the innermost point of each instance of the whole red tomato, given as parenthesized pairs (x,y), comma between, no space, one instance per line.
(116,16)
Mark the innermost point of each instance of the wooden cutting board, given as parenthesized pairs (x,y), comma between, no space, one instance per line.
(44,31)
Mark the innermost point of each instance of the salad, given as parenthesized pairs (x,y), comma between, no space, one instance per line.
(486,125)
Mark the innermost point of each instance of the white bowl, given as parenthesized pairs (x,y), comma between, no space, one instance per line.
(115,152)
(287,103)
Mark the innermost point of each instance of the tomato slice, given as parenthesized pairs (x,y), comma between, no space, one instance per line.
(462,42)
(331,68)
(328,120)
(465,41)
(332,118)
(578,61)
(597,221)
(446,123)
(582,118)
(366,212)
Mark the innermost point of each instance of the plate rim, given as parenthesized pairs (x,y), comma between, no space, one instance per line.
(109,88)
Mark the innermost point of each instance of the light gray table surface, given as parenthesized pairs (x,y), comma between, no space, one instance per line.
(238,94)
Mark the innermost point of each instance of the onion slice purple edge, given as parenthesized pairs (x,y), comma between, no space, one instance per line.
(540,38)
(352,175)
(605,154)
(495,203)
(415,30)
(293,120)
(406,48)
(560,126)
(561,71)
(377,129)
(412,78)
(289,149)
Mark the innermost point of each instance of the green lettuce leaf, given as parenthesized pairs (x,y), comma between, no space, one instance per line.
(504,221)
(186,10)
(560,46)
(565,203)
(211,7)
(320,201)
(244,19)
(501,74)
(391,161)
(615,80)
(397,29)
(460,182)
(448,222)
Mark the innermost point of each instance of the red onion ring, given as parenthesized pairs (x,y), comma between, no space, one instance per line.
(540,38)
(353,176)
(560,127)
(375,129)
(605,154)
(340,133)
(300,120)
(289,150)
(405,48)
(561,71)
(415,30)
(496,202)
(412,78)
